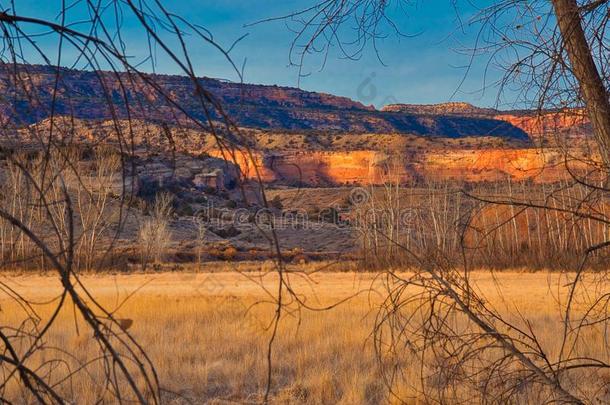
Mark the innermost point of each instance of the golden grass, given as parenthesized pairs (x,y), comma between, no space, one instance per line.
(208,344)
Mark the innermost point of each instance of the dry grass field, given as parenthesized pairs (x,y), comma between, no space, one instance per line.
(209,344)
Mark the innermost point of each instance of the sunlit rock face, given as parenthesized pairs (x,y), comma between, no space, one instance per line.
(314,168)
(337,168)
(546,123)
(538,165)
(398,158)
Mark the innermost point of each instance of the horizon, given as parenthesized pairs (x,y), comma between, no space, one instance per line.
(428,58)
(377,108)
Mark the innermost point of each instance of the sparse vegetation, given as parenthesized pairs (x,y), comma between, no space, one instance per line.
(154,236)
(330,360)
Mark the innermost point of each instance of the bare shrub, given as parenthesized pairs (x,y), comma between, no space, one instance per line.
(154,236)
(95,193)
(201,229)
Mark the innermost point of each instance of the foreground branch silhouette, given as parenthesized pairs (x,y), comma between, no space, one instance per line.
(54,216)
(557,52)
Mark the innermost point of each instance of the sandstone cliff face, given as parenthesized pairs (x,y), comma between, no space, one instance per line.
(492,165)
(335,168)
(377,167)
(343,159)
(327,162)
(251,164)
(538,125)
(316,168)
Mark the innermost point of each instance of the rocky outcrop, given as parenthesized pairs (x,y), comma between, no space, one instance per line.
(538,165)
(324,160)
(548,123)
(337,168)
(535,123)
(450,108)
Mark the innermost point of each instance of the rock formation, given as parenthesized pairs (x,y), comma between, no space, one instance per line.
(291,136)
(81,95)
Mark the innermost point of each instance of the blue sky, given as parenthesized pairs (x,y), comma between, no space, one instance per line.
(424,68)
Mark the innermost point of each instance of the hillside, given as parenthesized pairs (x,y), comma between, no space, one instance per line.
(571,122)
(298,137)
(251,106)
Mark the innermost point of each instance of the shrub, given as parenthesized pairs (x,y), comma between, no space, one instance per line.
(154,236)
(229,253)
(276,202)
